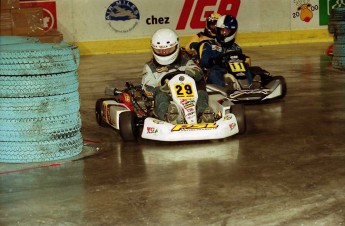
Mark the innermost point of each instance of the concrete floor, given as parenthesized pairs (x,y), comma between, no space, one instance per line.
(288,169)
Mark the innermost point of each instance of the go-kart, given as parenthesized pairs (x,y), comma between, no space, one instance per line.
(130,111)
(239,88)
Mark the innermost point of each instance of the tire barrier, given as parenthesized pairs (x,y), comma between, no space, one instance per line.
(38,151)
(38,86)
(10,40)
(39,100)
(39,107)
(38,58)
(336,27)
(39,129)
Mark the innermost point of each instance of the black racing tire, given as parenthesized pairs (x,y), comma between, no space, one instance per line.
(129,130)
(283,84)
(238,111)
(99,112)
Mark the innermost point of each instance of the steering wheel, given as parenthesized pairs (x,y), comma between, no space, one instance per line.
(169,76)
(234,53)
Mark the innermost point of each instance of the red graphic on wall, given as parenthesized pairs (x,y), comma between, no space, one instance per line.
(202,9)
(49,12)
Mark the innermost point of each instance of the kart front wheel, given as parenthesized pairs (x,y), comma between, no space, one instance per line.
(99,112)
(129,130)
(238,111)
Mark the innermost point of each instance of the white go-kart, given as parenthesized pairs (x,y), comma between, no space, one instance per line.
(131,112)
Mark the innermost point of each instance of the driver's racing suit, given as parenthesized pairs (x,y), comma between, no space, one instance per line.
(151,82)
(210,59)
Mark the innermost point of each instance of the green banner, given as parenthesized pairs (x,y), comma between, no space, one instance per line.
(325,9)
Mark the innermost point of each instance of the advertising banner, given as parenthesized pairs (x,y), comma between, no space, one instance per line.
(326,7)
(135,19)
(49,12)
(121,19)
(305,14)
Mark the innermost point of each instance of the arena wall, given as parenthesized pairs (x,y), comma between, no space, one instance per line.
(108,26)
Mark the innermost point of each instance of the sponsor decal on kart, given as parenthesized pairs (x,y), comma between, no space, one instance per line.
(188,104)
(190,127)
(232,125)
(127,97)
(190,114)
(151,130)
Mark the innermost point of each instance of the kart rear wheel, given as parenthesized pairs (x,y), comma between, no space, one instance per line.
(238,111)
(283,84)
(129,130)
(99,112)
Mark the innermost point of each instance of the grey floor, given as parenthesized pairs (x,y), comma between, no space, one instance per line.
(288,169)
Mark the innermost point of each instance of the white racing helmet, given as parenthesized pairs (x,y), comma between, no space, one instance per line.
(165,46)
(227,26)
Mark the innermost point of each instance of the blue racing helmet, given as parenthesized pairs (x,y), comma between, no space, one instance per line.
(226,30)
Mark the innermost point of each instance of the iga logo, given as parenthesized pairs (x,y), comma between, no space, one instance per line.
(202,9)
(122,16)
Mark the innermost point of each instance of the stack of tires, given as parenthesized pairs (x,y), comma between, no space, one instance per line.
(39,100)
(336,27)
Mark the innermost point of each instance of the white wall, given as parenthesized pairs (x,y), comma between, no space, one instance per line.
(84,20)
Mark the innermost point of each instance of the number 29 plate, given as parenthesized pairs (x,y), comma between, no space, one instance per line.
(184,90)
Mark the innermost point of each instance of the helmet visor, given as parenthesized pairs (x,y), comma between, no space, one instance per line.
(211,24)
(165,52)
(225,32)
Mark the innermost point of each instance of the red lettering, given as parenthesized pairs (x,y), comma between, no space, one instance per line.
(229,7)
(200,14)
(198,20)
(187,7)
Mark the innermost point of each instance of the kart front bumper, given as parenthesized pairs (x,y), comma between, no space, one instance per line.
(155,129)
(272,92)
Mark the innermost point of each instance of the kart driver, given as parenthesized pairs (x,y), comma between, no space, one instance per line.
(212,50)
(209,33)
(167,58)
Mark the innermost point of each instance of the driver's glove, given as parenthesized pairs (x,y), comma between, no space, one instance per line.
(194,45)
(195,72)
(242,57)
(216,61)
(164,88)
